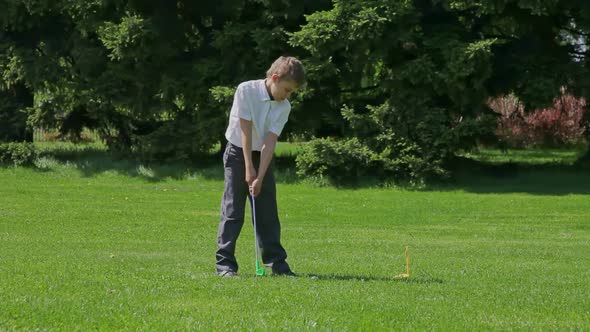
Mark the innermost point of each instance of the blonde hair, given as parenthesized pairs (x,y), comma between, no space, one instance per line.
(288,68)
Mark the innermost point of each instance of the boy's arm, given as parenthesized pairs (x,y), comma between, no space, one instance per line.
(246,127)
(268,148)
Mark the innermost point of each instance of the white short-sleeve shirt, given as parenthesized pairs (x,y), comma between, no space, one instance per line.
(252,102)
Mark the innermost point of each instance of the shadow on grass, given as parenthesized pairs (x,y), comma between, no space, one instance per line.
(92,161)
(488,178)
(537,179)
(466,174)
(411,280)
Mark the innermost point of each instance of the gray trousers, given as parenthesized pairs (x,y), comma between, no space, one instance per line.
(233,205)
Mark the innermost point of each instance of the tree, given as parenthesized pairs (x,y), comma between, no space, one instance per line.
(149,75)
(412,77)
(20,34)
(408,80)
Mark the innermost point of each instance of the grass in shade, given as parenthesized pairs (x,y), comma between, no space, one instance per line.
(92,243)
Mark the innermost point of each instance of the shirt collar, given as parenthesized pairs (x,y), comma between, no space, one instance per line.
(263,92)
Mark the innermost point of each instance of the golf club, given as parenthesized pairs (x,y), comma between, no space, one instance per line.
(259,268)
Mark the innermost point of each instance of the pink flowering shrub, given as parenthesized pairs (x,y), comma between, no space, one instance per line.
(553,126)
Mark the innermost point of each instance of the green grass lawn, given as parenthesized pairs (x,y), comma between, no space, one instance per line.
(94,244)
(530,157)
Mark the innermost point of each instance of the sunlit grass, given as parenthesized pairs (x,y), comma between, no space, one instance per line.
(98,244)
(530,157)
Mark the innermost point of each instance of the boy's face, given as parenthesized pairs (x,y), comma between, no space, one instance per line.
(281,89)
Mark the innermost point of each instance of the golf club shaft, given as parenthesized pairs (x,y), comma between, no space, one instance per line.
(255,229)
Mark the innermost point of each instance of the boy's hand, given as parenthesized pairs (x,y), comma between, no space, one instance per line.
(250,175)
(256,187)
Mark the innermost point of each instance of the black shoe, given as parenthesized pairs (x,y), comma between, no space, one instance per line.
(227,274)
(282,269)
(287,273)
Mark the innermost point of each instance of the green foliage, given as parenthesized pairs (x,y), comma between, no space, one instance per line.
(184,138)
(19,154)
(135,70)
(13,115)
(342,161)
(222,97)
(414,76)
(429,79)
(378,148)
(128,39)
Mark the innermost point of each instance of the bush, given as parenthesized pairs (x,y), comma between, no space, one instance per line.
(342,161)
(389,143)
(345,161)
(185,138)
(558,125)
(17,153)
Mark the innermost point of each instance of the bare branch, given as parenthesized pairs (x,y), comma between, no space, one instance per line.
(575,32)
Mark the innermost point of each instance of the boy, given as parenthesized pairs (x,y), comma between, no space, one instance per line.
(258,115)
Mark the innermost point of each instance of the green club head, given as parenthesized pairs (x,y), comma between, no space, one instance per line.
(259,269)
